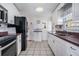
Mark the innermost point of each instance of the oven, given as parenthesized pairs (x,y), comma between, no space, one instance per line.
(8,46)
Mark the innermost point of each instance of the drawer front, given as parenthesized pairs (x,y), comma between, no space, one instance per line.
(72,54)
(73,49)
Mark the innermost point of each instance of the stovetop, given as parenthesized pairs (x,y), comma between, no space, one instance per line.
(4,40)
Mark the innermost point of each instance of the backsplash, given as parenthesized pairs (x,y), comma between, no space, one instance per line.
(10,30)
(3,27)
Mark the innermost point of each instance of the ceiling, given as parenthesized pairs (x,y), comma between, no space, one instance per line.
(28,9)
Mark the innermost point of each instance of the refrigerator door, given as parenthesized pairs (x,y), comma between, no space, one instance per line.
(22,28)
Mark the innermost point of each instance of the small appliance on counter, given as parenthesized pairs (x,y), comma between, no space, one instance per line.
(59,27)
(3,14)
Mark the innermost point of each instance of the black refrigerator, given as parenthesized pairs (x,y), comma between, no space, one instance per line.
(21,27)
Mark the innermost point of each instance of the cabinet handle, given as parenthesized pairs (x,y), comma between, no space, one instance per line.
(53,41)
(72,48)
(70,54)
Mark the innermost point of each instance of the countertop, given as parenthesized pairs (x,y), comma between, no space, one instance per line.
(69,38)
(18,34)
(5,38)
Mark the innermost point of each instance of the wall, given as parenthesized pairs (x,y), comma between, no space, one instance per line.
(33,25)
(12,11)
(3,27)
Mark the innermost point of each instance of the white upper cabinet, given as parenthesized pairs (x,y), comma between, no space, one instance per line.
(67,16)
(75,10)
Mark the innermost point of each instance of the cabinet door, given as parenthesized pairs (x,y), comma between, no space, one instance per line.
(75,11)
(54,44)
(18,44)
(72,50)
(60,47)
(49,40)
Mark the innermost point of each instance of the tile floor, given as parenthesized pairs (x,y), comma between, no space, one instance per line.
(37,49)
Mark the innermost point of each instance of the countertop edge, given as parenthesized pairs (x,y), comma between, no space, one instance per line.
(64,39)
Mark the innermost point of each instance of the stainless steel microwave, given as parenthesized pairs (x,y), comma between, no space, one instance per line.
(3,14)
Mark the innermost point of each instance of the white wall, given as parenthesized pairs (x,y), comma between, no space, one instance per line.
(12,11)
(3,28)
(34,25)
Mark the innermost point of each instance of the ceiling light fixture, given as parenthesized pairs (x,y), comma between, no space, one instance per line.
(39,9)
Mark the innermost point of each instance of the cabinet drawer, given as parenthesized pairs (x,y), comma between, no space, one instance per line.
(74,49)
(72,54)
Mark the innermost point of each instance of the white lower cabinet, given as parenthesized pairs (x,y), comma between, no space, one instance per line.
(61,47)
(37,36)
(50,41)
(72,50)
(18,44)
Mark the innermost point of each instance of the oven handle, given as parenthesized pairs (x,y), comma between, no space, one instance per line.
(7,45)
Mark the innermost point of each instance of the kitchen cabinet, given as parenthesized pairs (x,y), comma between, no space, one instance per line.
(67,15)
(37,35)
(72,50)
(18,44)
(49,40)
(61,47)
(52,43)
(75,10)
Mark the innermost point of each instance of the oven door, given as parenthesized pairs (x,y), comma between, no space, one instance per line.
(9,50)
